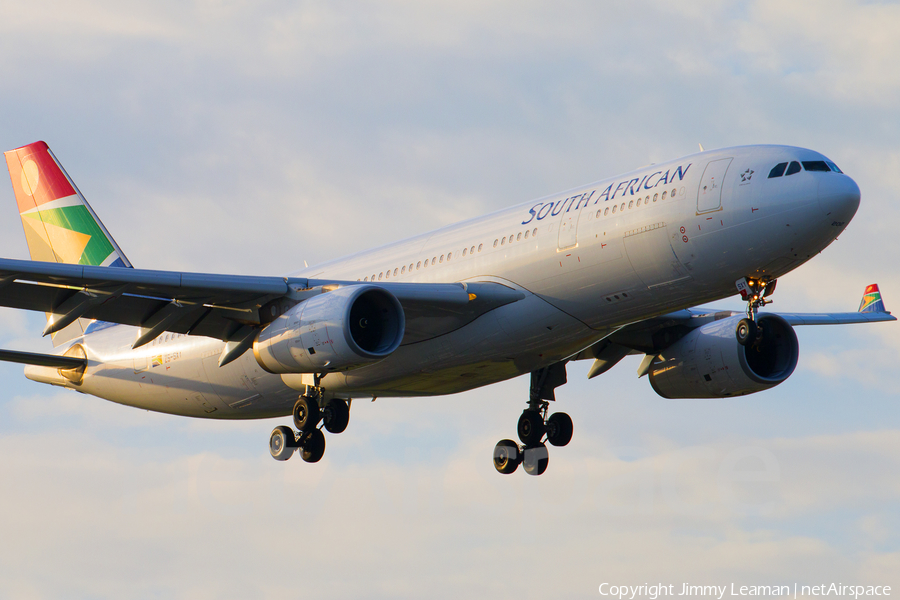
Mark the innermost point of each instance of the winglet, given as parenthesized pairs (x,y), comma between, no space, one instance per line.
(871,300)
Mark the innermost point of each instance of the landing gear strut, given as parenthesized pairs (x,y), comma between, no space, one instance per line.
(755,291)
(310,410)
(534,425)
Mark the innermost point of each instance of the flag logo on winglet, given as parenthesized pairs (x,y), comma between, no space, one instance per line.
(871,300)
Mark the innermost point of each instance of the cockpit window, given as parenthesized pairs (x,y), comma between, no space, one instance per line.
(816,165)
(833,166)
(777,170)
(794,167)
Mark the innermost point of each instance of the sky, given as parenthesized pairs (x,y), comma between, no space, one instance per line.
(247,137)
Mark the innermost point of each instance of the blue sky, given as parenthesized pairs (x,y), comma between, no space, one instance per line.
(247,137)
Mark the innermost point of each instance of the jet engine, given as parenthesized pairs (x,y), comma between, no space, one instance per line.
(710,363)
(334,331)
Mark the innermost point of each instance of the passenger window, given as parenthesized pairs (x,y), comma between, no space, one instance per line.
(366,279)
(777,170)
(647,200)
(664,196)
(816,165)
(433,258)
(794,167)
(472,249)
(503,240)
(672,194)
(614,209)
(631,204)
(622,207)
(418,264)
(655,197)
(534,233)
(395,272)
(410,267)
(387,274)
(480,246)
(526,234)
(426,263)
(403,270)
(465,251)
(519,237)
(510,239)
(496,242)
(373,276)
(639,202)
(442,258)
(379,276)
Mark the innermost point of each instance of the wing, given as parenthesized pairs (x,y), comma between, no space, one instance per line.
(652,336)
(227,307)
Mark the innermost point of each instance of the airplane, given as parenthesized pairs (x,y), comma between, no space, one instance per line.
(598,272)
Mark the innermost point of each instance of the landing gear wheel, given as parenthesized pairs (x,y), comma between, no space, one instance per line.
(746,332)
(531,427)
(536,459)
(313,446)
(559,429)
(506,457)
(306,413)
(336,416)
(282,443)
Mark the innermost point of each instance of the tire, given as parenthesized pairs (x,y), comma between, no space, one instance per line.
(506,457)
(530,427)
(745,332)
(535,459)
(313,446)
(559,429)
(336,416)
(306,414)
(282,443)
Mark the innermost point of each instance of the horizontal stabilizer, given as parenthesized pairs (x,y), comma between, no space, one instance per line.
(43,360)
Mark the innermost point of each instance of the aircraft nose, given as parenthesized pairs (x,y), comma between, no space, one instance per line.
(839,198)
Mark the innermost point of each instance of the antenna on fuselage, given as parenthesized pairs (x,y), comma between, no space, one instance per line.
(701,147)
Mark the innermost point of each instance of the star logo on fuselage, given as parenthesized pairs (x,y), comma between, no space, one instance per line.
(746,175)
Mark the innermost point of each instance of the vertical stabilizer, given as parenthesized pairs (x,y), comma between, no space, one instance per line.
(59,224)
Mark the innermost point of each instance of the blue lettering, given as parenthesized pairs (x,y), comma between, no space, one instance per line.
(681,173)
(630,187)
(617,190)
(533,213)
(542,213)
(586,197)
(560,205)
(604,194)
(647,185)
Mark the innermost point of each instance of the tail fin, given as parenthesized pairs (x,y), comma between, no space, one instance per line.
(59,223)
(871,300)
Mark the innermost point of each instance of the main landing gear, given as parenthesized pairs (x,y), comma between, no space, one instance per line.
(534,425)
(310,411)
(755,291)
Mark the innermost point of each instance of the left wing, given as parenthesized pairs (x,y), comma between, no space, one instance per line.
(231,308)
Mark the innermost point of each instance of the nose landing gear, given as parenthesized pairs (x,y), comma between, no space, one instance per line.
(534,425)
(755,291)
(310,410)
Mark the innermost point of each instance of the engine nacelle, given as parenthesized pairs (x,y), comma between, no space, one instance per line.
(334,331)
(710,363)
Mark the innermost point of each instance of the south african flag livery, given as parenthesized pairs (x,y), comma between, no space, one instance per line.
(871,300)
(59,224)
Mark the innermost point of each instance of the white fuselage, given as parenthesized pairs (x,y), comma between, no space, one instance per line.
(645,243)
